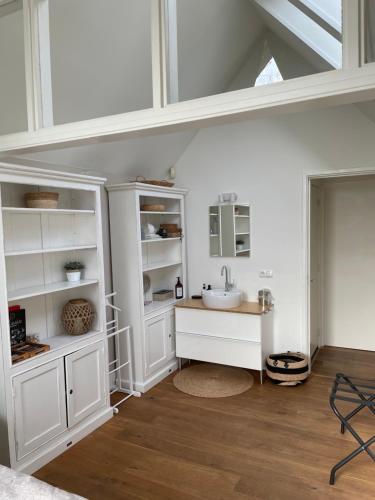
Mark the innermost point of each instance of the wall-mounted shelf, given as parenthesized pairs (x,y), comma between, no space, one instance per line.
(243,216)
(242,234)
(242,251)
(56,211)
(50,250)
(35,291)
(159,265)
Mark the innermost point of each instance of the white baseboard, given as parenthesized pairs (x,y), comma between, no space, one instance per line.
(51,450)
(156,378)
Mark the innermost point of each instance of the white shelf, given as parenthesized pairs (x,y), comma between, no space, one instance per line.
(214,215)
(151,212)
(49,250)
(58,342)
(159,265)
(156,305)
(242,234)
(243,216)
(57,211)
(34,291)
(243,251)
(214,235)
(157,240)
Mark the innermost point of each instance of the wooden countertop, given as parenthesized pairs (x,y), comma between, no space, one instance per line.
(244,308)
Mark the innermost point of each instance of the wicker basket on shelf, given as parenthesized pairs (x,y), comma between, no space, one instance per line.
(77,316)
(41,200)
(154,182)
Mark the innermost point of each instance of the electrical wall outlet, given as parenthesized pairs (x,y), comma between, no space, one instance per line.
(266,273)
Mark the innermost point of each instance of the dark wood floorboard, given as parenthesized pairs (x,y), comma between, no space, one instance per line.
(268,443)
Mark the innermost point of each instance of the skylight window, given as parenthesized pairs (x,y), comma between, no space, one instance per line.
(269,74)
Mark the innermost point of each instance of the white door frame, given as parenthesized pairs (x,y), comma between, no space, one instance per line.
(307,179)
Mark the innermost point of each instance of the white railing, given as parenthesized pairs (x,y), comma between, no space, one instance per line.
(121,341)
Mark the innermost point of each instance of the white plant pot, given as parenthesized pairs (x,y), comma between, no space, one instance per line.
(73,276)
(240,247)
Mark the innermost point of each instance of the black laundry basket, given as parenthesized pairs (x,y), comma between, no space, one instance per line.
(287,368)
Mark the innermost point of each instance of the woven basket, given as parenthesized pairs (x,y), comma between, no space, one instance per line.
(77,316)
(287,368)
(154,182)
(153,208)
(41,200)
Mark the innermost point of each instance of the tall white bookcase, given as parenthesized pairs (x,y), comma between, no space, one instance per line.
(162,260)
(50,401)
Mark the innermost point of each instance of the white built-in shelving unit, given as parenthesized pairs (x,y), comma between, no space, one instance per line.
(51,400)
(162,260)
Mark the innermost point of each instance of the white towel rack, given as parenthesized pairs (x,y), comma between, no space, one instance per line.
(120,336)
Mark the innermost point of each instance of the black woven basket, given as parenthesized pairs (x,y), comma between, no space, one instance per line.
(287,368)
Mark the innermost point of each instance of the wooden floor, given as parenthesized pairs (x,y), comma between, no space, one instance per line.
(268,443)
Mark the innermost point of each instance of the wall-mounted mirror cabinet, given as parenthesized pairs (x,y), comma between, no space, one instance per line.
(229,227)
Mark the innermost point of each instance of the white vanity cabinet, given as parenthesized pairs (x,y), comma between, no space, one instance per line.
(242,336)
(56,396)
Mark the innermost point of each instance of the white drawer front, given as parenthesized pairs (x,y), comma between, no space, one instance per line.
(219,324)
(219,350)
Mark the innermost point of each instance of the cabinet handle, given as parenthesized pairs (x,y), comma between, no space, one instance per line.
(71,391)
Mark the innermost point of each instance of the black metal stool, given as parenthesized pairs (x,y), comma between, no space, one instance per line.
(362,393)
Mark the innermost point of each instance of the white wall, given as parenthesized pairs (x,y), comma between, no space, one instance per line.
(264,161)
(349,264)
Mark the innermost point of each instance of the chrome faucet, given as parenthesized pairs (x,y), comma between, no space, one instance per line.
(228,283)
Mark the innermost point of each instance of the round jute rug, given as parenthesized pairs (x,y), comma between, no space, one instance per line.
(213,381)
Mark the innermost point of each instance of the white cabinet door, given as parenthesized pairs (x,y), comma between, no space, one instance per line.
(170,331)
(40,406)
(85,374)
(155,343)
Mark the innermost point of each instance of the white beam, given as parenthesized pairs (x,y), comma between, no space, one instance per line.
(299,94)
(351,53)
(158,54)
(171,49)
(37,64)
(307,30)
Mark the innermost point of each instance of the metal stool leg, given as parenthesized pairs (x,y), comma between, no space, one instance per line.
(347,459)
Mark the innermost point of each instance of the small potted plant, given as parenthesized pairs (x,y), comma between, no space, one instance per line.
(73,270)
(240,244)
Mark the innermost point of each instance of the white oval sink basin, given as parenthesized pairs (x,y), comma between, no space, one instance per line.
(220,299)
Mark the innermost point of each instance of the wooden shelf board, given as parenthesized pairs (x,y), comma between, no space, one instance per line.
(159,265)
(46,289)
(56,211)
(58,342)
(49,250)
(160,239)
(151,212)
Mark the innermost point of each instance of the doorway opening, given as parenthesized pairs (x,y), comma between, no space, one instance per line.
(341,287)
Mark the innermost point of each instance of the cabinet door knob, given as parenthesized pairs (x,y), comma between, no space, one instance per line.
(71,391)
